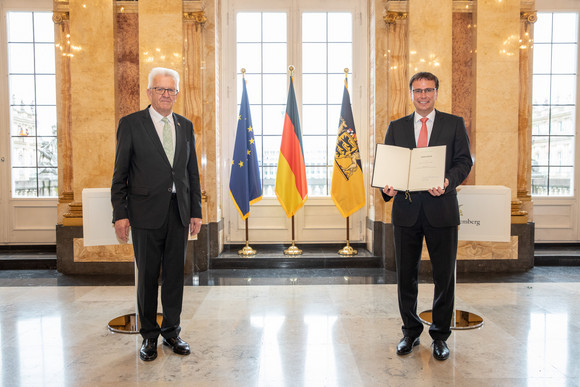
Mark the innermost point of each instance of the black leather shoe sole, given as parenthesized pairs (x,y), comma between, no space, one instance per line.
(407,349)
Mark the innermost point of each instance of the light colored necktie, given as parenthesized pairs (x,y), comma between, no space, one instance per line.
(422,141)
(167,139)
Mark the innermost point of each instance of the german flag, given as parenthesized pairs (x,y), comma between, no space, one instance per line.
(291,188)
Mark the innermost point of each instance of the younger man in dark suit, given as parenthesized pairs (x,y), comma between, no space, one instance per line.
(433,214)
(156,192)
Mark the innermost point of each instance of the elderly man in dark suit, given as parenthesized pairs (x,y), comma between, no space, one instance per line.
(433,214)
(156,192)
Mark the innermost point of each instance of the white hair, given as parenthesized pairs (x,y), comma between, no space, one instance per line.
(163,71)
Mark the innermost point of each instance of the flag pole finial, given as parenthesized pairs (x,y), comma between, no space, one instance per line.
(291,68)
(345,72)
(243,70)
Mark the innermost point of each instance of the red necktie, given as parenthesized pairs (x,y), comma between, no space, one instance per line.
(422,141)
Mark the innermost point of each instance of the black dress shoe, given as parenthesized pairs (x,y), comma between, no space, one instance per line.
(440,350)
(406,345)
(148,350)
(179,346)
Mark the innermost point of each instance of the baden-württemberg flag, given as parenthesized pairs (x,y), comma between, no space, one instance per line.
(347,189)
(245,185)
(291,188)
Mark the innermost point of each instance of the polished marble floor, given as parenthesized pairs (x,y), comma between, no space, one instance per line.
(291,328)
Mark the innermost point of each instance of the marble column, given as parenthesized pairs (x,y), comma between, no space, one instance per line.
(525,213)
(160,42)
(92,89)
(430,38)
(127,88)
(496,93)
(63,102)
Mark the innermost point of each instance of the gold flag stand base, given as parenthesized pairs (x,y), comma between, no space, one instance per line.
(463,319)
(347,250)
(247,251)
(293,250)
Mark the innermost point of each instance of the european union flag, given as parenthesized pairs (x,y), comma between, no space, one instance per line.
(245,183)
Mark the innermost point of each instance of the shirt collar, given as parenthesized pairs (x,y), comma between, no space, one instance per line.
(156,116)
(430,116)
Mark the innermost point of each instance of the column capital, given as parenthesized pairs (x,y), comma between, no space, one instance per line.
(392,17)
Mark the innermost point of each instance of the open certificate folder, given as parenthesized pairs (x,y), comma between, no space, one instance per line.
(405,169)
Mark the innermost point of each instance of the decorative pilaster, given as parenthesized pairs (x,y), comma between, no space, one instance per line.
(62,56)
(523,211)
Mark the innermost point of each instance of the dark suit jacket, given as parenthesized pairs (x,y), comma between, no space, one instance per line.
(143,177)
(441,211)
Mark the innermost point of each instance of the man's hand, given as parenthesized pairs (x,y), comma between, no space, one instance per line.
(439,191)
(122,227)
(194,226)
(389,191)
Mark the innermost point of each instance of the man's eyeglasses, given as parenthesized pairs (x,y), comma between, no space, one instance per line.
(428,90)
(161,91)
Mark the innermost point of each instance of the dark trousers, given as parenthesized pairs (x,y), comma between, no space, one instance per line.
(442,247)
(160,250)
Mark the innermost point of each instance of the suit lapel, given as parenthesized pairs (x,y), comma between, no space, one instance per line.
(410,132)
(437,127)
(179,139)
(152,133)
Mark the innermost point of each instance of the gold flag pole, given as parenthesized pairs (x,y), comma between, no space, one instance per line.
(246,251)
(293,250)
(347,250)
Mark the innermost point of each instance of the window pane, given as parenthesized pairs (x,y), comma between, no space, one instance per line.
(543,28)
(24,182)
(48,182)
(539,180)
(275,89)
(47,151)
(45,90)
(560,181)
(563,89)
(314,150)
(19,26)
(564,59)
(331,150)
(22,89)
(317,181)
(561,151)
(268,181)
(563,120)
(46,120)
(333,119)
(249,57)
(314,27)
(256,112)
(22,121)
(248,27)
(274,27)
(314,58)
(541,90)
(21,58)
(271,150)
(339,57)
(340,27)
(253,86)
(565,28)
(23,152)
(314,89)
(314,119)
(273,120)
(542,54)
(275,58)
(540,149)
(43,27)
(336,87)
